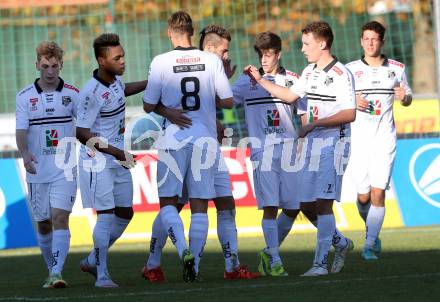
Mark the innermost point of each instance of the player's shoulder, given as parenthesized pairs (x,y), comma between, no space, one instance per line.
(70,88)
(29,89)
(91,87)
(291,74)
(339,69)
(354,64)
(395,64)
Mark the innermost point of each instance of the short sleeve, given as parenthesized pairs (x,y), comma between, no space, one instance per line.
(404,81)
(299,87)
(222,87)
(21,114)
(87,110)
(153,91)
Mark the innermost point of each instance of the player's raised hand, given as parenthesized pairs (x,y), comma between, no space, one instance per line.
(305,129)
(126,159)
(399,91)
(229,70)
(178,117)
(29,159)
(361,103)
(253,73)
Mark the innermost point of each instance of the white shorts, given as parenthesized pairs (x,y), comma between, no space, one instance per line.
(371,168)
(176,169)
(322,173)
(222,180)
(107,189)
(274,186)
(59,194)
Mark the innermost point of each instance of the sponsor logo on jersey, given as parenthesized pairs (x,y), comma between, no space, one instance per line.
(71,87)
(187,60)
(34,102)
(359,73)
(51,138)
(313,113)
(423,173)
(375,107)
(395,63)
(105,95)
(273,118)
(337,70)
(50,111)
(328,80)
(66,100)
(121,127)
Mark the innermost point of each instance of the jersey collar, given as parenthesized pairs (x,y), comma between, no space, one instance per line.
(184,48)
(329,66)
(59,87)
(95,75)
(384,57)
(282,71)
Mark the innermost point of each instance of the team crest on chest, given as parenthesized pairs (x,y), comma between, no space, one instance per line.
(289,83)
(328,80)
(391,74)
(66,100)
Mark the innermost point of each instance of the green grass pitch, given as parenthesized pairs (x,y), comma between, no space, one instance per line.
(408,270)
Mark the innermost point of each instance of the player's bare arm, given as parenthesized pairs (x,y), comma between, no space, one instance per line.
(400,94)
(224,103)
(175,116)
(125,158)
(28,158)
(134,87)
(342,117)
(280,92)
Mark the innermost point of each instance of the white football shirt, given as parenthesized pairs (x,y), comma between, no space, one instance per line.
(189,79)
(48,117)
(101,108)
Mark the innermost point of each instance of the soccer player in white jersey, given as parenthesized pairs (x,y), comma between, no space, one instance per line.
(105,181)
(187,78)
(214,39)
(45,112)
(270,121)
(379,81)
(329,89)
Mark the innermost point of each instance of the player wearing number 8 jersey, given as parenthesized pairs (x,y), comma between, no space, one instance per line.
(379,81)
(186,78)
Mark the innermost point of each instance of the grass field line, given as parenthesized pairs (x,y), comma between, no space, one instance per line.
(227,287)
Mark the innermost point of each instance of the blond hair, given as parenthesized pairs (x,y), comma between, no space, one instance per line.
(49,49)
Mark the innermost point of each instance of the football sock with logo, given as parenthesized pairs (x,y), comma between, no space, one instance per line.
(45,244)
(363,209)
(339,241)
(198,231)
(284,224)
(375,219)
(118,227)
(270,231)
(227,235)
(159,237)
(326,229)
(174,226)
(60,248)
(101,238)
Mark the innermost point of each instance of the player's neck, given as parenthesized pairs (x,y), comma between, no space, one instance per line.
(181,41)
(274,71)
(325,59)
(374,60)
(105,76)
(48,87)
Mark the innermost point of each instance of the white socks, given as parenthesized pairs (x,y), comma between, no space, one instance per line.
(270,231)
(174,226)
(101,239)
(339,241)
(60,248)
(284,223)
(374,223)
(159,237)
(363,209)
(326,229)
(45,243)
(118,227)
(227,235)
(198,232)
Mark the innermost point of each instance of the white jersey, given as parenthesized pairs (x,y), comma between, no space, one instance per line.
(48,117)
(376,85)
(189,79)
(102,109)
(268,118)
(328,91)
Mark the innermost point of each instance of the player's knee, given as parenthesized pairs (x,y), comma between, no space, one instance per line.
(270,212)
(224,203)
(378,197)
(60,220)
(44,227)
(124,212)
(363,198)
(291,213)
(198,205)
